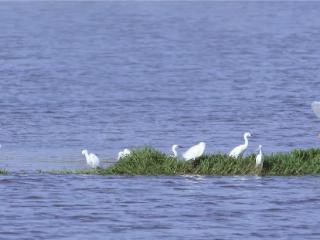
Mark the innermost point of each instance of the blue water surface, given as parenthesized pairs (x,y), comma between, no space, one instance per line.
(188,207)
(109,75)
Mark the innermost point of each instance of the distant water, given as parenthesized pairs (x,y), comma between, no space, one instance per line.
(109,75)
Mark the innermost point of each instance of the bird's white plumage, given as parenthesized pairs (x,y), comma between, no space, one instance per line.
(316,108)
(124,153)
(174,150)
(92,160)
(239,150)
(259,158)
(194,151)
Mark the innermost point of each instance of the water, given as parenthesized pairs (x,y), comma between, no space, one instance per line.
(109,75)
(97,207)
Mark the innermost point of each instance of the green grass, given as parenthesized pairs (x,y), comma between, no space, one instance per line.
(99,171)
(3,171)
(148,161)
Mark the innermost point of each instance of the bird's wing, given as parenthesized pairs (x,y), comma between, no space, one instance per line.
(235,151)
(191,152)
(94,157)
(126,151)
(187,154)
(258,158)
(120,154)
(316,108)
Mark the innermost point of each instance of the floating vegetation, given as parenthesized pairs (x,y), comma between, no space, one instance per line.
(148,161)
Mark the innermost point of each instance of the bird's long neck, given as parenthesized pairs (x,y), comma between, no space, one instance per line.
(260,151)
(174,150)
(246,142)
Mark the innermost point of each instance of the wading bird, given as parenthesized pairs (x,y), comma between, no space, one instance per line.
(124,153)
(194,151)
(239,150)
(92,160)
(174,150)
(259,158)
(316,108)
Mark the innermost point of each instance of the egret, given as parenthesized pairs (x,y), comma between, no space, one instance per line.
(194,151)
(316,108)
(124,153)
(92,160)
(174,150)
(239,150)
(259,158)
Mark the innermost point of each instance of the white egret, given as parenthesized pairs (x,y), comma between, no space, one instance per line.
(316,108)
(124,153)
(239,150)
(259,158)
(92,160)
(174,150)
(194,151)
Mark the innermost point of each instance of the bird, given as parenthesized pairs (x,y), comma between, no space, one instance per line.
(174,150)
(259,157)
(239,150)
(123,153)
(194,151)
(316,108)
(92,160)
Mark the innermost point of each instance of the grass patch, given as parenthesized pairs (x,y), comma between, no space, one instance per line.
(99,171)
(3,171)
(148,161)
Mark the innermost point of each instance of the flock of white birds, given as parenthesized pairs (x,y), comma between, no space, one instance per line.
(197,150)
(191,154)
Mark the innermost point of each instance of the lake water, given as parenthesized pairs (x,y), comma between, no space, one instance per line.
(109,75)
(191,207)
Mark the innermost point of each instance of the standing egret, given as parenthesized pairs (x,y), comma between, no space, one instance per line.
(174,150)
(194,151)
(124,153)
(92,160)
(239,150)
(316,108)
(259,158)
